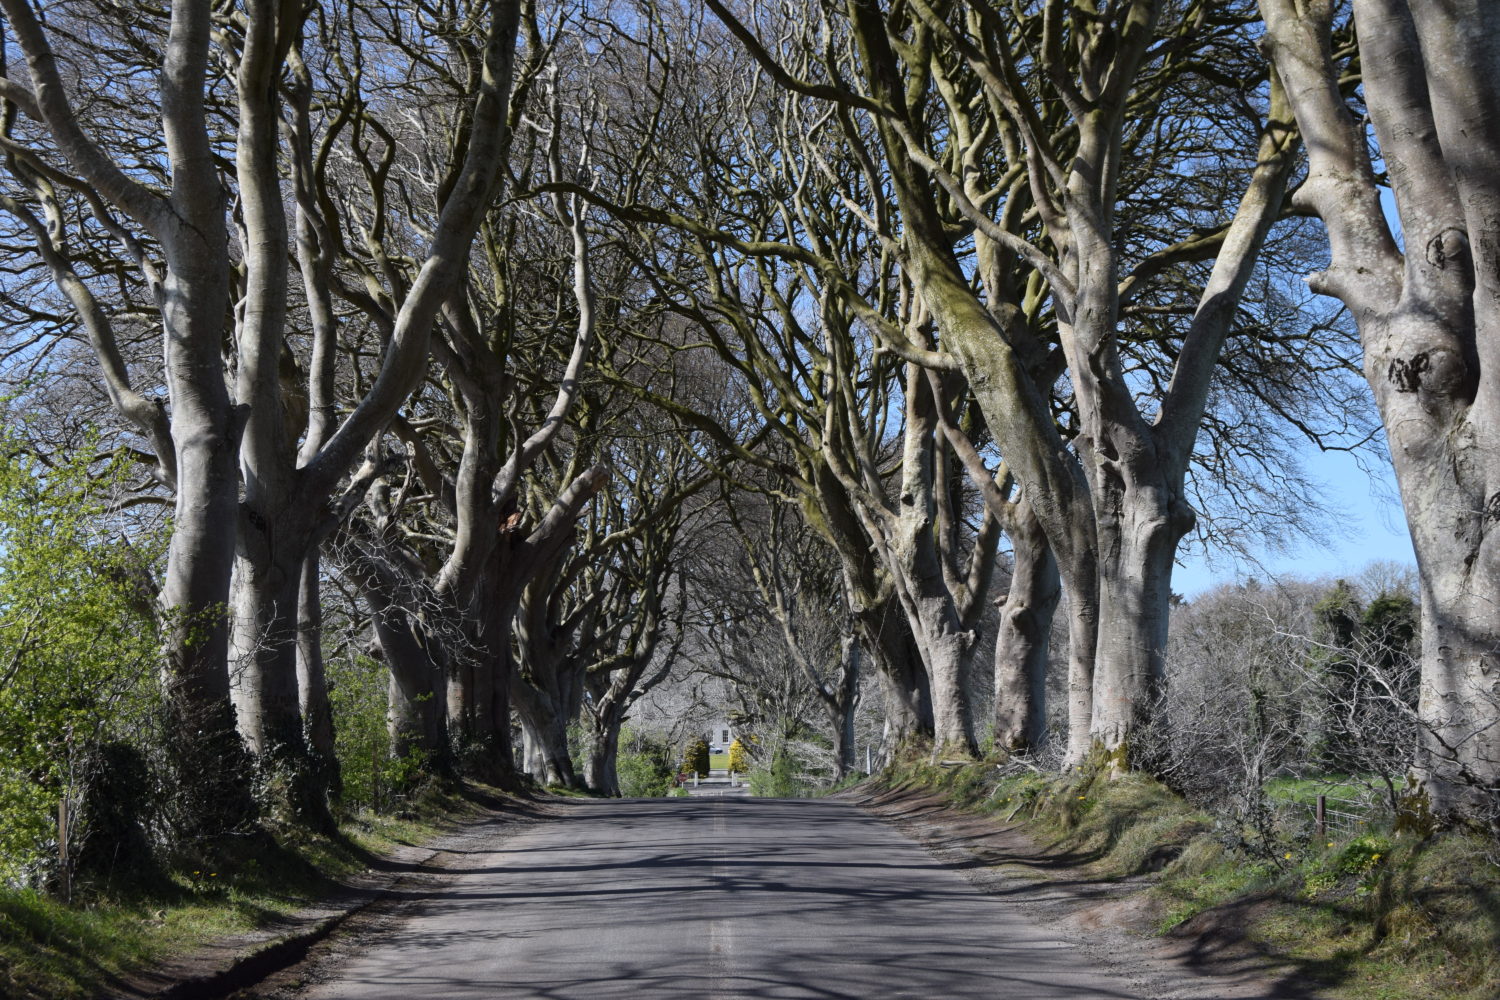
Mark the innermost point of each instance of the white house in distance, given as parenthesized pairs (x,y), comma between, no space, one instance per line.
(720,735)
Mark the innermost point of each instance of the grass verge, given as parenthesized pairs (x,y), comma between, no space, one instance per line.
(1378,916)
(56,951)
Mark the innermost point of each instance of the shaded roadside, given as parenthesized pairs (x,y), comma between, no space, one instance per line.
(233,964)
(1113,919)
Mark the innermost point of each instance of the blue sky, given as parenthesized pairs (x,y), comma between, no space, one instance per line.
(1369,526)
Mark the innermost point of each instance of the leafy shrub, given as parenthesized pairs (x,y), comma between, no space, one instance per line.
(696,757)
(77,646)
(779,781)
(357,694)
(1362,854)
(644,766)
(739,758)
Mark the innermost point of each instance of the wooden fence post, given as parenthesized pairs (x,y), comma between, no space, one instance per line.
(62,849)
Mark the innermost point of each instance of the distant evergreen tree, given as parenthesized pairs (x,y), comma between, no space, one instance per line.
(696,757)
(1389,628)
(1338,615)
(739,760)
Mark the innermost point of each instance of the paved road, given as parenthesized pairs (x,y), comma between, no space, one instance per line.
(714,898)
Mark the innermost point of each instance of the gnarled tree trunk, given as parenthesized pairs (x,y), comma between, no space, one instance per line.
(1429,320)
(1022,641)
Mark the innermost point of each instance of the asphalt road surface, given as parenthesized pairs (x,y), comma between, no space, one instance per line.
(714,898)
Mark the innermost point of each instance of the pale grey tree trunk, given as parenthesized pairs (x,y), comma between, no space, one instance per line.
(267,575)
(532,761)
(545,725)
(904,689)
(312,678)
(413,715)
(193,297)
(412,656)
(1138,541)
(1083,637)
(601,772)
(264,645)
(618,682)
(946,648)
(1137,469)
(1429,321)
(539,696)
(1023,638)
(1022,641)
(879,621)
(914,539)
(840,700)
(546,689)
(495,692)
(477,698)
(947,656)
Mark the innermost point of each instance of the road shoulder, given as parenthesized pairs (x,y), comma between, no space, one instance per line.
(1113,920)
(274,959)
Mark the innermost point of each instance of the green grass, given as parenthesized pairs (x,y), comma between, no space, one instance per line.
(1377,916)
(718,761)
(58,952)
(1305,791)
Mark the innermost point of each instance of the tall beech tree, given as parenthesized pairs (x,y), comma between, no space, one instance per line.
(290,486)
(457,525)
(795,336)
(196,439)
(1053,118)
(685,102)
(796,578)
(1426,297)
(600,606)
(227,280)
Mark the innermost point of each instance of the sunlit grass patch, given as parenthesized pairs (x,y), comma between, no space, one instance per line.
(1374,915)
(53,951)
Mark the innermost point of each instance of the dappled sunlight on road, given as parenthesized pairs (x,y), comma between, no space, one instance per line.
(716,898)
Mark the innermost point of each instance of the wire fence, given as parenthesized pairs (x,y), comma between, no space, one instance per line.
(1344,817)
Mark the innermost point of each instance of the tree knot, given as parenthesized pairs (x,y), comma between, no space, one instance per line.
(1406,375)
(1492,507)
(1449,245)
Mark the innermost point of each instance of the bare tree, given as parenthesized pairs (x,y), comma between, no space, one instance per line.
(1041,172)
(1425,302)
(197,440)
(797,581)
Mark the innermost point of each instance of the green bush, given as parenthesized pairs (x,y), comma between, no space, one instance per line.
(371,777)
(779,781)
(739,758)
(77,649)
(1363,853)
(644,766)
(696,757)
